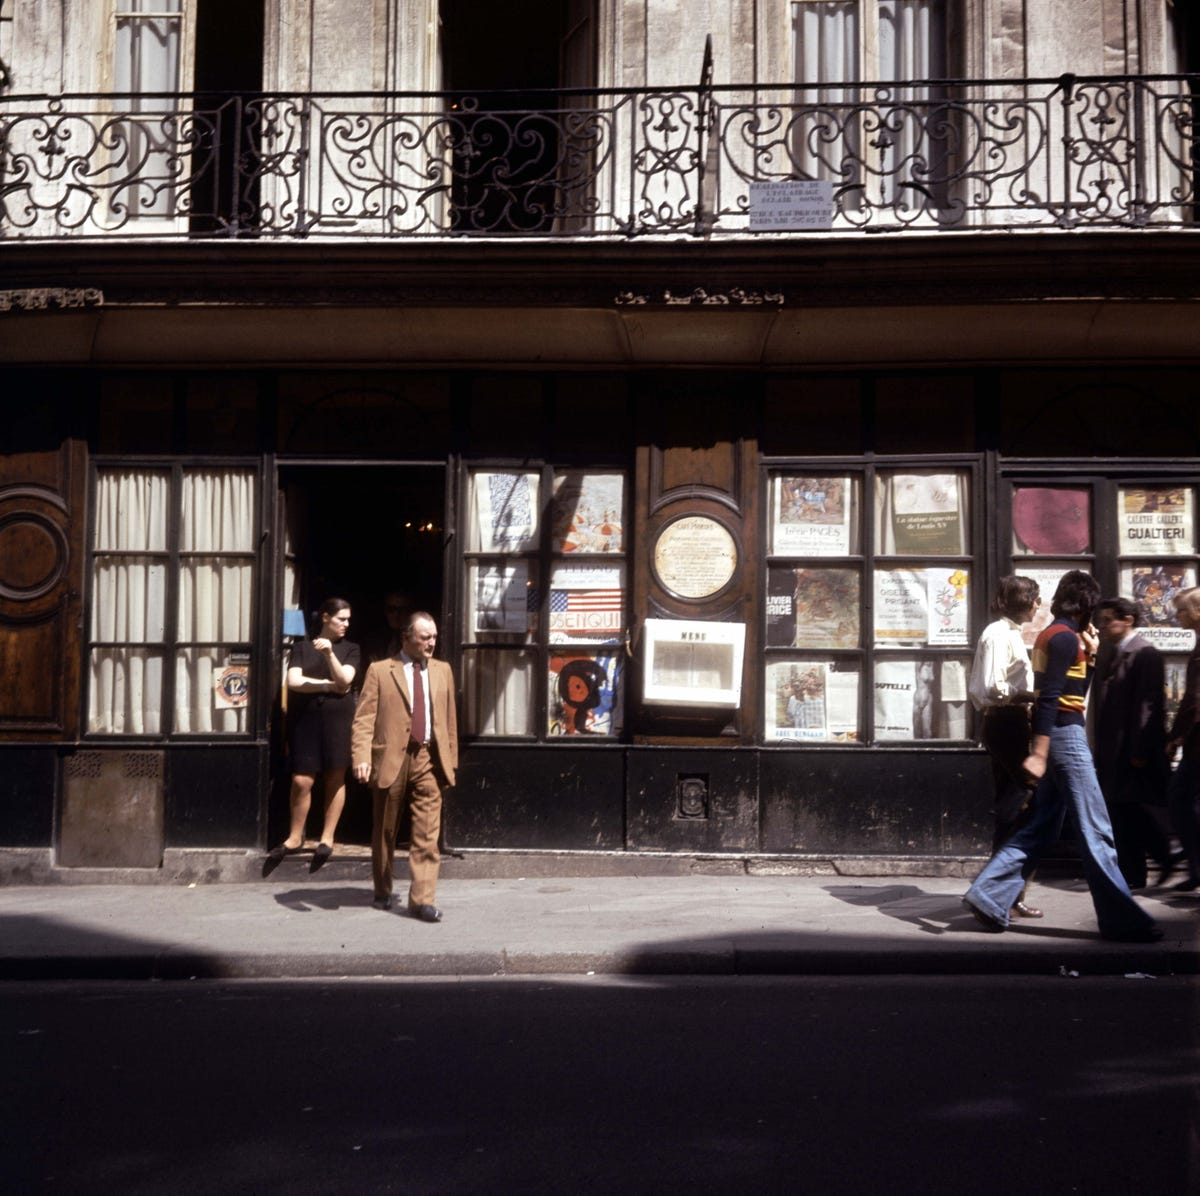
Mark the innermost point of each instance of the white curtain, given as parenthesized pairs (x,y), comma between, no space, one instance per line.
(826,38)
(147,59)
(129,616)
(215,591)
(499,692)
(129,602)
(832,43)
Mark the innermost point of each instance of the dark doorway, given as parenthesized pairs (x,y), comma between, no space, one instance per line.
(228,73)
(513,133)
(362,533)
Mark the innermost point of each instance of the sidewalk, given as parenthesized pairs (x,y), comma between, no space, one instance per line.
(296,926)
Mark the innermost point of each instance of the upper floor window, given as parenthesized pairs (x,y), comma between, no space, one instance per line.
(148,57)
(883,147)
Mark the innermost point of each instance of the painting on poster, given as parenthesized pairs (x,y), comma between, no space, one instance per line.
(812,516)
(1154,589)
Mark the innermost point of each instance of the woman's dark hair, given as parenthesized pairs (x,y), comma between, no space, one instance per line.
(1122,608)
(1076,597)
(1014,596)
(330,606)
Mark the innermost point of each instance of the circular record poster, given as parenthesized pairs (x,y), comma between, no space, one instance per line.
(1051,521)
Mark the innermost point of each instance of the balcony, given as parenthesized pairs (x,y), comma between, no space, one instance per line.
(1112,152)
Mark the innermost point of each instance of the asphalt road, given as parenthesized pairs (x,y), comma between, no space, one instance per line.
(903,1085)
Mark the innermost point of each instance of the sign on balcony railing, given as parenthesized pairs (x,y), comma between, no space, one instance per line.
(1103,152)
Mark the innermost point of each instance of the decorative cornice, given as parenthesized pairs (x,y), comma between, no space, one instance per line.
(43,298)
(701,297)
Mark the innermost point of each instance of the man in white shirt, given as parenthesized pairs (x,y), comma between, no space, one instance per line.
(1001,687)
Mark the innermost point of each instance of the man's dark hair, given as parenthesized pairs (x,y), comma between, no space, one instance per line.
(1122,608)
(1076,597)
(1014,596)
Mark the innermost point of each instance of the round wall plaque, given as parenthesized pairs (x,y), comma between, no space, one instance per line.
(694,557)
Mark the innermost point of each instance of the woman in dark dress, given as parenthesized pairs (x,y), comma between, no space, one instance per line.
(320,711)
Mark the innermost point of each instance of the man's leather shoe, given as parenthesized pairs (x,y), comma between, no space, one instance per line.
(426,913)
(985,920)
(384,903)
(1026,911)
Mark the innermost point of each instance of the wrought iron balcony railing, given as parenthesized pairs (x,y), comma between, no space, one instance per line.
(1106,152)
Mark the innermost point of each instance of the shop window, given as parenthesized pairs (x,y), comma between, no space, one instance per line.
(1138,538)
(894,622)
(172,601)
(545,599)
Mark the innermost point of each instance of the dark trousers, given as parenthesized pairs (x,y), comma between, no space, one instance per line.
(1136,834)
(1006,738)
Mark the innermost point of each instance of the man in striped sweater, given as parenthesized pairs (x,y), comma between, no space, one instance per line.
(1060,761)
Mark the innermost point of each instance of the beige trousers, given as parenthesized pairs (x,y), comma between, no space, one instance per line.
(417,785)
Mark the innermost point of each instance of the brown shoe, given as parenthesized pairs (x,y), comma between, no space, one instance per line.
(1021,910)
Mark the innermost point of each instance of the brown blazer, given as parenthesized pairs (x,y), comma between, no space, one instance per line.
(383,721)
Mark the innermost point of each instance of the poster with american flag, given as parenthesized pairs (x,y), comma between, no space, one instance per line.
(587,604)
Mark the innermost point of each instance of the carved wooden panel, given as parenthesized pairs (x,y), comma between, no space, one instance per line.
(41,587)
(697,466)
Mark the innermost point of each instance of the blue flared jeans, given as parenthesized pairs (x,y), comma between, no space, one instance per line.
(1069,786)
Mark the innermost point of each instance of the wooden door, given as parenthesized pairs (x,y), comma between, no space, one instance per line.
(42,519)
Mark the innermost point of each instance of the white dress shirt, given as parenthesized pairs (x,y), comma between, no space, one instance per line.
(1002,673)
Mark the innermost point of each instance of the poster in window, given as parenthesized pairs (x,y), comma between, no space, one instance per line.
(901,606)
(895,699)
(925,515)
(587,513)
(813,701)
(826,604)
(1175,668)
(506,507)
(1155,521)
(584,693)
(1047,579)
(812,516)
(1153,588)
(813,608)
(921,699)
(1051,520)
(502,597)
(586,603)
(948,608)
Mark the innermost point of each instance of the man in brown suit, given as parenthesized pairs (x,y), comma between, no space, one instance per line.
(405,744)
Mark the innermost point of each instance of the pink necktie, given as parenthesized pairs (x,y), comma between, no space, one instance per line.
(419,733)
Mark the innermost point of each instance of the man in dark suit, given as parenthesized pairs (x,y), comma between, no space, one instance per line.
(404,742)
(1130,735)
